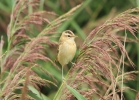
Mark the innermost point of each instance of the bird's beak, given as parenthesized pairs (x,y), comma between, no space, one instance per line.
(75,36)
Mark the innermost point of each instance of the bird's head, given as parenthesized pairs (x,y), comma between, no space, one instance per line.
(67,35)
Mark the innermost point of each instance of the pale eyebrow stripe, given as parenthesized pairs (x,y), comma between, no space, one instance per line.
(68,32)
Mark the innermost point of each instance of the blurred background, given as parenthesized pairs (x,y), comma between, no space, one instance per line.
(91,14)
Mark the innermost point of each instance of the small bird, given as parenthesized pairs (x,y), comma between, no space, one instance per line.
(66,49)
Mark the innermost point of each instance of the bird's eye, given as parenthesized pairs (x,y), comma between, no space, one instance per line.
(68,35)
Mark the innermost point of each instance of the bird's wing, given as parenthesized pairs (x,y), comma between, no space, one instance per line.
(58,50)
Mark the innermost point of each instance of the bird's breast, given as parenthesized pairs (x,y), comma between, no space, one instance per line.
(67,52)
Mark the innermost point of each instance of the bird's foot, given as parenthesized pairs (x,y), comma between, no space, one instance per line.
(73,63)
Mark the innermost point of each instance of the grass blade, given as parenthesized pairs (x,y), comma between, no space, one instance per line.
(76,93)
(38,94)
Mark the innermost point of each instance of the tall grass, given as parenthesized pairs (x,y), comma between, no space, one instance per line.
(98,72)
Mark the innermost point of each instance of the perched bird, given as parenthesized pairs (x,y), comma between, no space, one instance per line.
(66,49)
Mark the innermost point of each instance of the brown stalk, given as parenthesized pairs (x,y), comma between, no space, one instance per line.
(99,58)
(25,87)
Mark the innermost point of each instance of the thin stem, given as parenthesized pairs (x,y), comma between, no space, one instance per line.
(62,74)
(137,2)
(123,54)
(30,10)
(41,4)
(57,94)
(1,48)
(56,97)
(138,64)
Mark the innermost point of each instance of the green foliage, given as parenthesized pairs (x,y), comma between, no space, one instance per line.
(76,93)
(38,94)
(27,49)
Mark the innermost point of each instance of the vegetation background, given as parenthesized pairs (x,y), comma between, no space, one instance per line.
(90,15)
